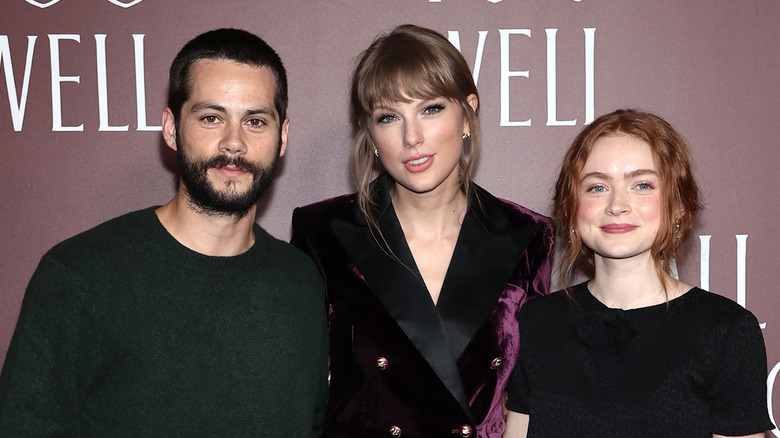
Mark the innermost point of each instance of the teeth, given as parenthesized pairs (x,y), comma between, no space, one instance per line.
(418,161)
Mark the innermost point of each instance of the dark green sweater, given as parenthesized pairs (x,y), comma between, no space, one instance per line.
(125,332)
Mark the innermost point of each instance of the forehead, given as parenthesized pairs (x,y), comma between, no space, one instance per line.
(619,153)
(229,83)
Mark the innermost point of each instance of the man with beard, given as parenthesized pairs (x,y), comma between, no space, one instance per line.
(186,319)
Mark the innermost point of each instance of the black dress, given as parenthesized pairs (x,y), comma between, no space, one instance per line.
(689,369)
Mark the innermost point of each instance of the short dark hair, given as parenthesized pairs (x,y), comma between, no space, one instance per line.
(224,44)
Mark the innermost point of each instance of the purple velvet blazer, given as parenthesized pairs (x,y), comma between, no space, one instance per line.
(400,364)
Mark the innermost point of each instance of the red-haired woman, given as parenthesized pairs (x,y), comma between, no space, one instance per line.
(633,352)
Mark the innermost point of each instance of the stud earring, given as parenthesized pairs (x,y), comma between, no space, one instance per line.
(376,152)
(467,135)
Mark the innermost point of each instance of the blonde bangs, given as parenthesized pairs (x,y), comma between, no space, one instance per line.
(403,79)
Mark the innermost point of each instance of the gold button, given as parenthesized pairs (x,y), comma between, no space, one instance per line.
(465,431)
(395,430)
(496,363)
(381,363)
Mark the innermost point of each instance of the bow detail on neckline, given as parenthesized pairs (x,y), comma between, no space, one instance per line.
(611,339)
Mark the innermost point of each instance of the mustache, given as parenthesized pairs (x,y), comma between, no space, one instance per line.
(235,161)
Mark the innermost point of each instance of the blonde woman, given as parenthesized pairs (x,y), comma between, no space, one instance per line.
(425,271)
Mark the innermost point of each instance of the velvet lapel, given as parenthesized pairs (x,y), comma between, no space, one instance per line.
(400,288)
(488,251)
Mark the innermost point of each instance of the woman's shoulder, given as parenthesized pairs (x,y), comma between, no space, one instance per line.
(315,218)
(337,202)
(325,209)
(513,212)
(714,308)
(553,303)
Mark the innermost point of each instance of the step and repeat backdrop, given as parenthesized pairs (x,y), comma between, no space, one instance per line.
(83,85)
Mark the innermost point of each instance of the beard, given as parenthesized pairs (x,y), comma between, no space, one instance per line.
(227,200)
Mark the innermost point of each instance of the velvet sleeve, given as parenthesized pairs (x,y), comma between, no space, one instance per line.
(301,228)
(298,238)
(737,394)
(541,263)
(539,284)
(53,349)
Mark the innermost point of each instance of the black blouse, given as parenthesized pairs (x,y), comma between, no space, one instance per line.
(689,369)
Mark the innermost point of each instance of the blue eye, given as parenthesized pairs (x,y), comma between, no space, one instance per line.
(385,118)
(644,186)
(597,189)
(433,109)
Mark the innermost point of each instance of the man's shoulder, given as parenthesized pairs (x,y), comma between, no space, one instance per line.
(110,236)
(277,247)
(284,255)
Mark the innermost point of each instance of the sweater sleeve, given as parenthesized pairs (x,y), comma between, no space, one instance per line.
(322,394)
(737,395)
(301,241)
(48,361)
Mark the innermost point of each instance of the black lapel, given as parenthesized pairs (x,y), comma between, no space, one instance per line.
(488,251)
(399,287)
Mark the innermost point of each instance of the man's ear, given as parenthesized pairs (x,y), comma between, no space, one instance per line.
(169,128)
(283,136)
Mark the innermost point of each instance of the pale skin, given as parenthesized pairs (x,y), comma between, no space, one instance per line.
(427,198)
(618,218)
(230,111)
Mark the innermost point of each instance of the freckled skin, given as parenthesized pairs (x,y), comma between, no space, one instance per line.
(620,205)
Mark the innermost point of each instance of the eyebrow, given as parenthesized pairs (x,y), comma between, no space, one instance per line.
(628,175)
(387,106)
(222,109)
(391,105)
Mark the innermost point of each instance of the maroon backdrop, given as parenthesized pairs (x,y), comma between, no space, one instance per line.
(83,82)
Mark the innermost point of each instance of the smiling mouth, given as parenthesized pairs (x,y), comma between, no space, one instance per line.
(418,160)
(618,228)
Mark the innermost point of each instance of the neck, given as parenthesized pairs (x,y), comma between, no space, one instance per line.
(207,234)
(434,213)
(630,283)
